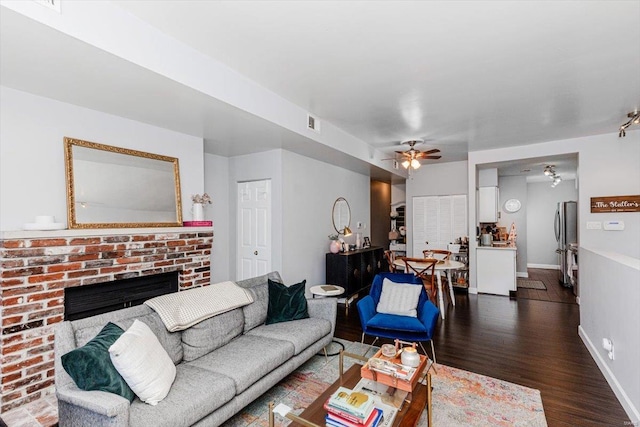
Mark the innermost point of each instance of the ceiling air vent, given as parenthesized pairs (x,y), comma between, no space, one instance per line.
(313,123)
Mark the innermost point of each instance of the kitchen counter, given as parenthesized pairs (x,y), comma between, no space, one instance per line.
(496,269)
(500,248)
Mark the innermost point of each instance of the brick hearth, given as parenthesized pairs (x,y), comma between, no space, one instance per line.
(36,267)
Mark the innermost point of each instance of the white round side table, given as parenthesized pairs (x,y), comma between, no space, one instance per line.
(326,290)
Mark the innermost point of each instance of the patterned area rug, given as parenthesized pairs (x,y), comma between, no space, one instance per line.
(460,398)
(530,284)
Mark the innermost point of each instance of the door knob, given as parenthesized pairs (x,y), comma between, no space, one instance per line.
(255,252)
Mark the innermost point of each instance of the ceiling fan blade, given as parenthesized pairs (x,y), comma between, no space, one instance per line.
(435,150)
(431,157)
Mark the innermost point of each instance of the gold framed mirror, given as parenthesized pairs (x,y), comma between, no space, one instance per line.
(113,187)
(341,215)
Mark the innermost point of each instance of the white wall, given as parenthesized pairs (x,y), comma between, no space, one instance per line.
(303,193)
(32,171)
(515,187)
(309,189)
(608,166)
(610,310)
(257,167)
(216,185)
(542,201)
(439,179)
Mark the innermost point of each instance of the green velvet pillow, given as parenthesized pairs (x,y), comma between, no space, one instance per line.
(286,302)
(91,368)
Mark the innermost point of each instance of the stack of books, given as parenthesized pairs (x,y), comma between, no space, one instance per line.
(348,408)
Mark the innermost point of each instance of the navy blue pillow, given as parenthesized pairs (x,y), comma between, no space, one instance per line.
(286,302)
(91,368)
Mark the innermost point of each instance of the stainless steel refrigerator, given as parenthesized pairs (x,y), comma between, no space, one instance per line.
(566,229)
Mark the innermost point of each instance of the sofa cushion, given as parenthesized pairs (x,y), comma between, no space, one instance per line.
(246,359)
(210,334)
(255,314)
(143,363)
(286,303)
(195,393)
(301,333)
(90,365)
(85,329)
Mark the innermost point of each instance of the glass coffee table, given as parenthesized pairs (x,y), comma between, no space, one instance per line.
(314,416)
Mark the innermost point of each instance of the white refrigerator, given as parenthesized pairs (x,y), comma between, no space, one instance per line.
(566,229)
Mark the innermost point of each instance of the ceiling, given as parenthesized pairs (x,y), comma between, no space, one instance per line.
(464,75)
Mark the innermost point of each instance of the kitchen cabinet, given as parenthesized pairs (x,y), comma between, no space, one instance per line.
(496,270)
(488,204)
(354,270)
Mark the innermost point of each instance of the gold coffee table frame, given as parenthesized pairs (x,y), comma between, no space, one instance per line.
(398,422)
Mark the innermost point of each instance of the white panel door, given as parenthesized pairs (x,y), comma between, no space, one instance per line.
(254,229)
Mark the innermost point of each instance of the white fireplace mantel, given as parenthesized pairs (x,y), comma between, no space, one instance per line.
(35,234)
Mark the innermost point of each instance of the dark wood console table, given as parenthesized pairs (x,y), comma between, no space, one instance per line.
(354,270)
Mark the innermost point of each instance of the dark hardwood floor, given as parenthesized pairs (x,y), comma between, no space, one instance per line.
(531,342)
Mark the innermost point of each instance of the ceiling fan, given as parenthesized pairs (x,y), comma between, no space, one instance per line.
(411,157)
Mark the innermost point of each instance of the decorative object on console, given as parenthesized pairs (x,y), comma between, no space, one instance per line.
(335,245)
(44,223)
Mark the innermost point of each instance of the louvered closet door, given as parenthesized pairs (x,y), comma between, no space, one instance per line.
(438,221)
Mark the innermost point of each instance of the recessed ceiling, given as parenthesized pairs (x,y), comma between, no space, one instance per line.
(463,76)
(476,74)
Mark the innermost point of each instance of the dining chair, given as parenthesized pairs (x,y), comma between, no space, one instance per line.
(440,255)
(390,256)
(424,268)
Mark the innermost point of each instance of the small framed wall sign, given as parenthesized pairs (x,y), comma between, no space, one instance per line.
(615,204)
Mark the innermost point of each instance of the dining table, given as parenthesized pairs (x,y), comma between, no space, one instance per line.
(443,265)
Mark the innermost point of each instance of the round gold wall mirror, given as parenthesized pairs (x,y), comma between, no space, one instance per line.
(341,215)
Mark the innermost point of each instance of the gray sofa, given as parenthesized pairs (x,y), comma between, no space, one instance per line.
(223,363)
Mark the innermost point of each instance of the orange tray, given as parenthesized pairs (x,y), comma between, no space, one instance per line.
(406,385)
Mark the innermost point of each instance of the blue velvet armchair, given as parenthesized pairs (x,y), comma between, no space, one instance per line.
(405,328)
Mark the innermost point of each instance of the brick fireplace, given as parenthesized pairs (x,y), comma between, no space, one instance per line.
(36,267)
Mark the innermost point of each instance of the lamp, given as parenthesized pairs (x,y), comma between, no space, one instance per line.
(634,118)
(347,231)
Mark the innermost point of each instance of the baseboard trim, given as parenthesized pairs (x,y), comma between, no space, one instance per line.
(627,404)
(473,291)
(522,274)
(544,266)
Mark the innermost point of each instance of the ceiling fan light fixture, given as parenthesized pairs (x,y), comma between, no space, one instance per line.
(406,164)
(634,118)
(415,164)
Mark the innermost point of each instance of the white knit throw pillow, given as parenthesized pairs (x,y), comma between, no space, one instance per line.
(399,298)
(143,363)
